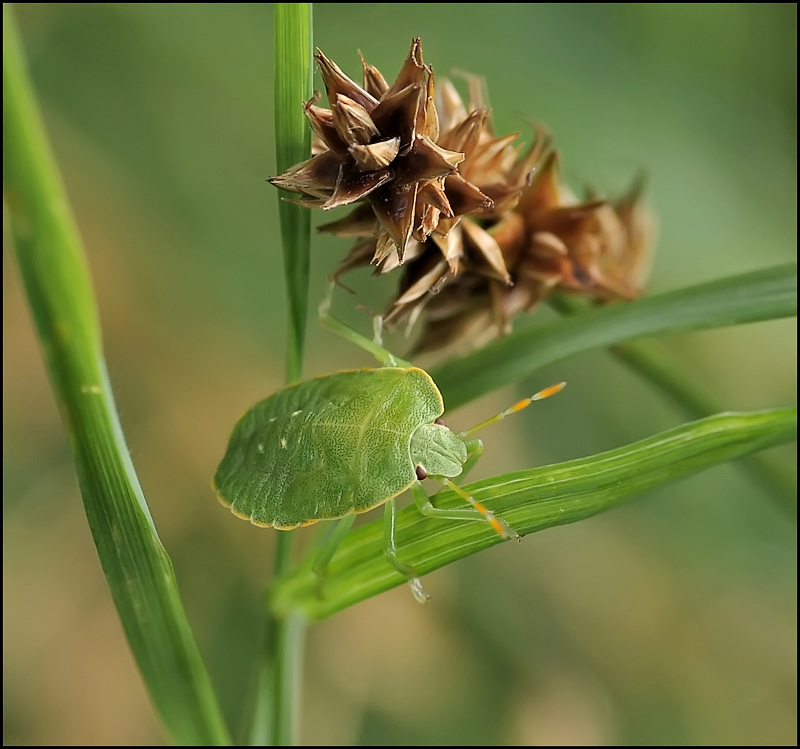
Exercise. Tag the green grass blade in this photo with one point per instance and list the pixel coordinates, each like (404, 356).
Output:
(57, 283)
(293, 86)
(684, 393)
(776, 480)
(531, 501)
(752, 297)
(274, 721)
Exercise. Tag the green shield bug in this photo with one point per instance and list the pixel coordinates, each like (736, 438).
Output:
(347, 442)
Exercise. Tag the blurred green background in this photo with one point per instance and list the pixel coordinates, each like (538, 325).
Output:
(670, 621)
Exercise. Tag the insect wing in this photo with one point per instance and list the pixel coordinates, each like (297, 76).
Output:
(326, 447)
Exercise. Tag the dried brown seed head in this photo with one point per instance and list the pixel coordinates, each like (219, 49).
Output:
(378, 144)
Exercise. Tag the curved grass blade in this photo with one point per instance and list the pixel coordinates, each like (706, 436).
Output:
(660, 371)
(56, 279)
(774, 478)
(751, 297)
(531, 501)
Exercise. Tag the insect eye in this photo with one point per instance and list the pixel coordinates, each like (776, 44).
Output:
(440, 422)
(421, 473)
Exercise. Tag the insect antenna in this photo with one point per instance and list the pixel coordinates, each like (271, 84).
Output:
(519, 406)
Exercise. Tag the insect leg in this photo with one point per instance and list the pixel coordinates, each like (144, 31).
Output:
(476, 512)
(328, 548)
(474, 453)
(374, 347)
(389, 526)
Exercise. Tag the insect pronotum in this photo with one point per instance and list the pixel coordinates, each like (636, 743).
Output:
(347, 442)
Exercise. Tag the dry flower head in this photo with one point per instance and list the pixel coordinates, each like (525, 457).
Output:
(480, 228)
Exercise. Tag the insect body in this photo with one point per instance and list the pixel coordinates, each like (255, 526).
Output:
(337, 444)
(346, 442)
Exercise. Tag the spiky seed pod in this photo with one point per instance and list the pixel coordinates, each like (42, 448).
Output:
(493, 167)
(481, 230)
(599, 249)
(377, 144)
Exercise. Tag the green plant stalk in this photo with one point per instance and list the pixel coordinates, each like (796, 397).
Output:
(277, 693)
(530, 501)
(660, 371)
(751, 297)
(293, 86)
(136, 565)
